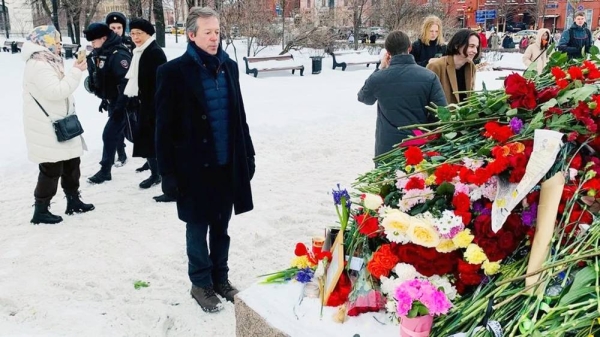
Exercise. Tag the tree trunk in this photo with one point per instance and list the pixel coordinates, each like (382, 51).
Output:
(5, 19)
(69, 24)
(135, 8)
(55, 14)
(283, 3)
(90, 11)
(159, 21)
(77, 31)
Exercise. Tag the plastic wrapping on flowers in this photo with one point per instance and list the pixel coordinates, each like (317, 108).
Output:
(462, 210)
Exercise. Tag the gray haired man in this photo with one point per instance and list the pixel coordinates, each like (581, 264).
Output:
(204, 152)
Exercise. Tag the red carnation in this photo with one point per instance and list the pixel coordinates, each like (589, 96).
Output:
(461, 202)
(575, 73)
(382, 261)
(415, 183)
(521, 91)
(445, 172)
(558, 73)
(548, 94)
(413, 155)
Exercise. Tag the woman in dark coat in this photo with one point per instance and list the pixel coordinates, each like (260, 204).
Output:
(430, 44)
(147, 57)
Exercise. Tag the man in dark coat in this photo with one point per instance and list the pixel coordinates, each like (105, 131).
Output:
(141, 87)
(577, 38)
(203, 146)
(108, 64)
(402, 90)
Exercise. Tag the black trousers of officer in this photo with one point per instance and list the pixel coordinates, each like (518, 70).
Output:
(113, 137)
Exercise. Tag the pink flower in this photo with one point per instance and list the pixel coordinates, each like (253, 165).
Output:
(423, 291)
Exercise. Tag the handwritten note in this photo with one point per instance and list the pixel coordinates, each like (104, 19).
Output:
(546, 145)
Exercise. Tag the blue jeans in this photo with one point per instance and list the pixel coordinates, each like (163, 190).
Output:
(208, 260)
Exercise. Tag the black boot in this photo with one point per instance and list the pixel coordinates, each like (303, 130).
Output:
(121, 157)
(164, 198)
(144, 167)
(100, 177)
(42, 214)
(154, 176)
(75, 205)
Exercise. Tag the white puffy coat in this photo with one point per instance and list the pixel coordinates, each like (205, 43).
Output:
(534, 52)
(54, 94)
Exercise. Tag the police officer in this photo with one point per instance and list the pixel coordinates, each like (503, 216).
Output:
(107, 65)
(117, 22)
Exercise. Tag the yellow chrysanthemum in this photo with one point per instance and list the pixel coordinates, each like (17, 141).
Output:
(463, 239)
(446, 246)
(430, 180)
(491, 268)
(301, 262)
(474, 254)
(422, 233)
(408, 168)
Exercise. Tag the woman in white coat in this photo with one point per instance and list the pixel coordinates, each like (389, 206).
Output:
(46, 81)
(537, 50)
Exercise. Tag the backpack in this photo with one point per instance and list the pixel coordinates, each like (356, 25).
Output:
(524, 42)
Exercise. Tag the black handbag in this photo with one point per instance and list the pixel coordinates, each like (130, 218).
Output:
(132, 119)
(66, 128)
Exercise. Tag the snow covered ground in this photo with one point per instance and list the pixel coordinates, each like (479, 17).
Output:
(76, 278)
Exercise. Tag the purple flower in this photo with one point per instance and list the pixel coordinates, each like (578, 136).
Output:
(529, 215)
(304, 275)
(339, 194)
(516, 125)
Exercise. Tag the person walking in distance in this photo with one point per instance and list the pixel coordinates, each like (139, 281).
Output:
(107, 66)
(203, 146)
(47, 96)
(141, 87)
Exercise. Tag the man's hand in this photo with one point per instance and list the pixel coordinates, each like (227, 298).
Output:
(385, 60)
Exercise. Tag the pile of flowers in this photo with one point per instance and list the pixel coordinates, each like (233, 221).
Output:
(459, 220)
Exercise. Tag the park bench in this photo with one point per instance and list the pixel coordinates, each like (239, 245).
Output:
(345, 58)
(8, 44)
(70, 50)
(272, 63)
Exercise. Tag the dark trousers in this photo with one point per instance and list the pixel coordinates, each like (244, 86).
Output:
(47, 184)
(207, 263)
(113, 137)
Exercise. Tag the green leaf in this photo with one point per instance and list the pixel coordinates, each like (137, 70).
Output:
(584, 277)
(450, 135)
(444, 113)
(577, 295)
(511, 112)
(413, 312)
(445, 189)
(578, 94)
(420, 208)
(549, 104)
(594, 50)
(140, 284)
(525, 326)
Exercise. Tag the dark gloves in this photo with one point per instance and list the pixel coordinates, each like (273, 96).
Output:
(103, 106)
(169, 185)
(251, 167)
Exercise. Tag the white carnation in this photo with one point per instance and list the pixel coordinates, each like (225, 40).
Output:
(372, 201)
(444, 283)
(405, 272)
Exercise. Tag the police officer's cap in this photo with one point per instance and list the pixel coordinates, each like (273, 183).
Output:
(116, 17)
(96, 31)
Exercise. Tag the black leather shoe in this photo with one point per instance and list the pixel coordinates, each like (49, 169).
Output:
(100, 177)
(42, 214)
(164, 198)
(75, 205)
(153, 180)
(206, 298)
(144, 167)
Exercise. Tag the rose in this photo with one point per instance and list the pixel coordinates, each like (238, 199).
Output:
(548, 94)
(377, 269)
(367, 225)
(372, 201)
(521, 91)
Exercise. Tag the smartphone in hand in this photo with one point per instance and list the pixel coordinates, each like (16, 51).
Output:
(80, 56)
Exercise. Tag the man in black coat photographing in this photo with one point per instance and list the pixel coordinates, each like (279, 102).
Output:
(203, 147)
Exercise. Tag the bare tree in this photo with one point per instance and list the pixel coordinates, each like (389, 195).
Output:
(135, 8)
(255, 23)
(159, 21)
(89, 10)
